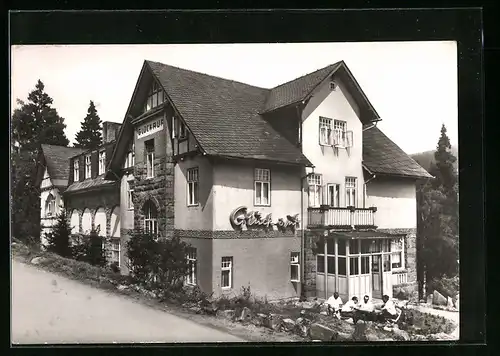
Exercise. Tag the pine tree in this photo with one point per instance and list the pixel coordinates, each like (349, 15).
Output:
(89, 135)
(438, 216)
(59, 238)
(34, 123)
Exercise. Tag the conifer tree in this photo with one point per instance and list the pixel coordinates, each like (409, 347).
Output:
(33, 123)
(89, 135)
(59, 238)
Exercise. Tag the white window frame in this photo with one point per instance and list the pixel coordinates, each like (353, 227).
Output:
(50, 203)
(295, 264)
(88, 166)
(155, 98)
(262, 178)
(114, 250)
(193, 186)
(325, 131)
(150, 221)
(102, 162)
(150, 163)
(350, 191)
(336, 194)
(314, 182)
(130, 200)
(321, 254)
(191, 257)
(395, 250)
(227, 266)
(76, 170)
(130, 160)
(339, 133)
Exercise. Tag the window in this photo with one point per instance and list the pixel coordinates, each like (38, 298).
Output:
(353, 266)
(76, 170)
(330, 256)
(295, 267)
(397, 253)
(155, 98)
(130, 196)
(150, 158)
(342, 266)
(226, 272)
(262, 186)
(350, 190)
(341, 247)
(314, 182)
(115, 251)
(102, 162)
(150, 218)
(387, 263)
(365, 264)
(191, 260)
(50, 206)
(179, 130)
(182, 130)
(353, 247)
(325, 131)
(88, 166)
(339, 133)
(193, 186)
(333, 195)
(130, 160)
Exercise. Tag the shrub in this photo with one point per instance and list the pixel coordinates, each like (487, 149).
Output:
(159, 266)
(449, 287)
(418, 322)
(90, 249)
(58, 239)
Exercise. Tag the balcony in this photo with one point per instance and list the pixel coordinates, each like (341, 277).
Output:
(341, 218)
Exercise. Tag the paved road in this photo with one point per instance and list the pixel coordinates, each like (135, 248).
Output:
(53, 309)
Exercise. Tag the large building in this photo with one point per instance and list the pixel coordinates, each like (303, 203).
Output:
(278, 189)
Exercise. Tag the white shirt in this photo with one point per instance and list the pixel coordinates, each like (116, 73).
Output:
(349, 306)
(335, 303)
(366, 306)
(390, 307)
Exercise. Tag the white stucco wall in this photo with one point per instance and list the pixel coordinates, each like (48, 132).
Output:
(100, 221)
(335, 164)
(47, 222)
(395, 200)
(86, 221)
(115, 222)
(75, 222)
(234, 187)
(127, 215)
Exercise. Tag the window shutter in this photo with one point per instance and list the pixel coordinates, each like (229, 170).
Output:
(349, 139)
(336, 137)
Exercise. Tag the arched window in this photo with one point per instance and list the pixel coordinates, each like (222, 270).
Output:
(100, 222)
(50, 206)
(75, 222)
(150, 217)
(86, 221)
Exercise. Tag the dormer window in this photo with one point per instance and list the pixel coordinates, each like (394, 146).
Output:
(88, 166)
(76, 171)
(102, 162)
(155, 98)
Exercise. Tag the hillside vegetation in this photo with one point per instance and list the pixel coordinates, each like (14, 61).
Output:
(425, 159)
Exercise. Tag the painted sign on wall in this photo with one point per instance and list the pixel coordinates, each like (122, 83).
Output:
(242, 219)
(150, 128)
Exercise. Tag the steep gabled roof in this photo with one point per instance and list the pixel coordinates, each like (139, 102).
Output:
(223, 115)
(57, 160)
(298, 89)
(383, 156)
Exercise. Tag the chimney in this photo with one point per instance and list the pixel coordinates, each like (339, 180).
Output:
(110, 131)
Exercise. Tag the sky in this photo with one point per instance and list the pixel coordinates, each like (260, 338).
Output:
(412, 85)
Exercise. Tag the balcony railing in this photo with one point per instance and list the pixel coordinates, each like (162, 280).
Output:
(350, 217)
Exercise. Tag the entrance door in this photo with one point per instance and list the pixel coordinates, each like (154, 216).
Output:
(376, 276)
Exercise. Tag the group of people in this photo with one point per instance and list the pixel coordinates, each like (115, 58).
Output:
(361, 311)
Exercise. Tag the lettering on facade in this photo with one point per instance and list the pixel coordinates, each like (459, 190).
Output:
(242, 219)
(150, 128)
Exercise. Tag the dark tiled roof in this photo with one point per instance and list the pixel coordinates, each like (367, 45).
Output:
(57, 159)
(90, 183)
(382, 156)
(224, 117)
(297, 89)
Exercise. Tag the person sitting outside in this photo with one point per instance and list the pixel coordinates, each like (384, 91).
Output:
(388, 309)
(334, 305)
(365, 309)
(348, 309)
